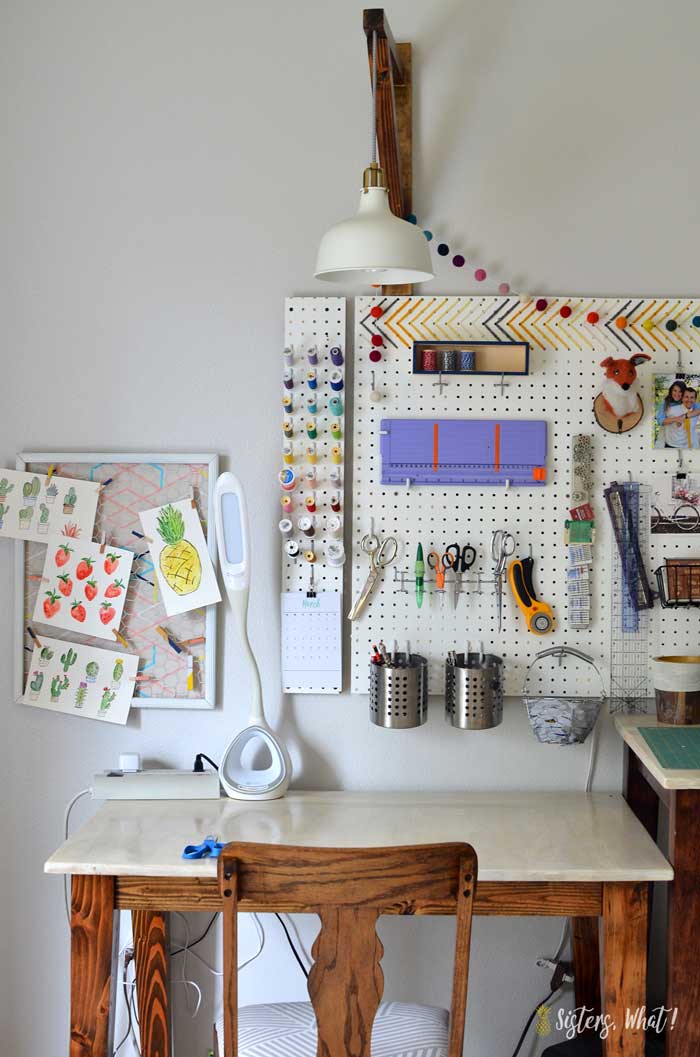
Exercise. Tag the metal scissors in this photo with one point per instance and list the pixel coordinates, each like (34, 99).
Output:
(440, 565)
(210, 848)
(380, 553)
(461, 559)
(502, 546)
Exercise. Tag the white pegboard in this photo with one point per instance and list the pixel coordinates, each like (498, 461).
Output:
(564, 379)
(314, 322)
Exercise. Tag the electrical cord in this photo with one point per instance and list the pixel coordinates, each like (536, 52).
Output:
(530, 1019)
(181, 950)
(128, 999)
(592, 757)
(199, 766)
(292, 947)
(66, 821)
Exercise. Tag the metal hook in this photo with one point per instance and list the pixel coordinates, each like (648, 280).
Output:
(680, 459)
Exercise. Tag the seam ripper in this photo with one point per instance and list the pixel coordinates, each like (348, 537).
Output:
(419, 573)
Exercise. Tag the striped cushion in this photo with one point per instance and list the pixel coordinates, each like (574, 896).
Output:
(288, 1029)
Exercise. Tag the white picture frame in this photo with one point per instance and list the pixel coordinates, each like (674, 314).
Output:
(207, 700)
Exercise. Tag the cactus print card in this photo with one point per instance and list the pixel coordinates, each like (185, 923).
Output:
(33, 507)
(183, 567)
(83, 587)
(82, 681)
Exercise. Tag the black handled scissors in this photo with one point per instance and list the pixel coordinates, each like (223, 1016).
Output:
(460, 559)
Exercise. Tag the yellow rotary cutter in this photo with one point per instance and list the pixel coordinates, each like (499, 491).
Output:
(538, 615)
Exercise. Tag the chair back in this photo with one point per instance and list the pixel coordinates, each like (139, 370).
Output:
(349, 888)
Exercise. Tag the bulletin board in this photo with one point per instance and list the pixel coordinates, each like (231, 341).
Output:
(136, 482)
(564, 378)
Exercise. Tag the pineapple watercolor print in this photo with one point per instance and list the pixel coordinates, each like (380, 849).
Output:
(179, 561)
(180, 556)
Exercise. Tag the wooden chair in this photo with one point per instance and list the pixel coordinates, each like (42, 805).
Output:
(349, 889)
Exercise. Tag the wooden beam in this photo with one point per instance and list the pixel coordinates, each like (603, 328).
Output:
(94, 944)
(151, 953)
(394, 118)
(555, 898)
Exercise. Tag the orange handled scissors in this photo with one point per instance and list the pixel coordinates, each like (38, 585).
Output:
(440, 565)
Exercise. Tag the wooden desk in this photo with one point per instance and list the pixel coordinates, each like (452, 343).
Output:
(648, 784)
(569, 854)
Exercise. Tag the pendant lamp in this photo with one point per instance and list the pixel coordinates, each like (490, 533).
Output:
(374, 247)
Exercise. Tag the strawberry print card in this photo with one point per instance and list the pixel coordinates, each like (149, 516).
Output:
(80, 680)
(181, 559)
(33, 506)
(83, 586)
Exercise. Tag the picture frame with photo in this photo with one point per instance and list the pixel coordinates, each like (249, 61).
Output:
(676, 418)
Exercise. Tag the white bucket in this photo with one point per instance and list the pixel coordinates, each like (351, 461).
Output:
(677, 689)
(677, 674)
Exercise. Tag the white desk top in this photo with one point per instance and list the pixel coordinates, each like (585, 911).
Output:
(667, 779)
(517, 836)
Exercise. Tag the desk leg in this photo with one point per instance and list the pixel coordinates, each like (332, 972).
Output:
(683, 980)
(625, 913)
(585, 946)
(639, 794)
(94, 945)
(150, 931)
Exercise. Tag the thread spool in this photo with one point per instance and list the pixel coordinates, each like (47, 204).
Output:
(288, 356)
(335, 554)
(671, 325)
(288, 427)
(449, 360)
(336, 475)
(336, 354)
(696, 321)
(467, 360)
(592, 318)
(375, 356)
(334, 527)
(648, 324)
(306, 527)
(287, 479)
(429, 360)
(310, 556)
(310, 477)
(565, 311)
(312, 356)
(288, 403)
(311, 429)
(336, 380)
(312, 404)
(311, 455)
(336, 430)
(287, 453)
(285, 526)
(288, 378)
(374, 393)
(335, 503)
(287, 504)
(310, 503)
(621, 322)
(292, 549)
(335, 405)
(336, 454)
(312, 379)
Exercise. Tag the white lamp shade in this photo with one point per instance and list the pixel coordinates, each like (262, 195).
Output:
(374, 247)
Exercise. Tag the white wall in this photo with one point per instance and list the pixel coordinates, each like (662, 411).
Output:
(167, 170)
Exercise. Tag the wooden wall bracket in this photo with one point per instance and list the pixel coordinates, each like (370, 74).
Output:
(394, 117)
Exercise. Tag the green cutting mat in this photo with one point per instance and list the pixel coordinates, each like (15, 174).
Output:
(676, 748)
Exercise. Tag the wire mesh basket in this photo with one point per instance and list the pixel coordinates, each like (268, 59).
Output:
(557, 719)
(679, 582)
